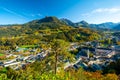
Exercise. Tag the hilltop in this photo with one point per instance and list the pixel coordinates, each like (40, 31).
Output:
(45, 29)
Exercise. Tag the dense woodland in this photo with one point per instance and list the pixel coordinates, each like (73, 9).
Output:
(39, 31)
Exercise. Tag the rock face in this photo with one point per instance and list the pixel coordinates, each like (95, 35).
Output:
(68, 22)
(82, 24)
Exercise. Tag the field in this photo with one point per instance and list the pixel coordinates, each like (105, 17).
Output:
(28, 46)
(1, 54)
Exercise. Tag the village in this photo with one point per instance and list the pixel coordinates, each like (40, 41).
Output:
(95, 58)
(90, 55)
(19, 61)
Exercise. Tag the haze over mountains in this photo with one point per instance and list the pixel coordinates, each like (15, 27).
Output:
(107, 25)
(55, 21)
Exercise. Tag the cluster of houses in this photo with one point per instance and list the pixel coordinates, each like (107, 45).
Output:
(94, 58)
(20, 61)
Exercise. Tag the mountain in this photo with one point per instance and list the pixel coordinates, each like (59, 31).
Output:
(68, 22)
(82, 24)
(109, 25)
(53, 22)
(47, 29)
(50, 22)
(117, 27)
(46, 19)
(78, 24)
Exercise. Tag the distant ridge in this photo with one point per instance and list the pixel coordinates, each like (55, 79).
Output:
(68, 22)
(106, 25)
(82, 23)
(53, 22)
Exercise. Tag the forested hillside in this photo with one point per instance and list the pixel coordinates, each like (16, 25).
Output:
(45, 29)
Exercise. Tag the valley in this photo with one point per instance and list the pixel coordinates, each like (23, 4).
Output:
(54, 45)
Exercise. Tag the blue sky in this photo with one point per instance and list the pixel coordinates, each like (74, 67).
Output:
(92, 11)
